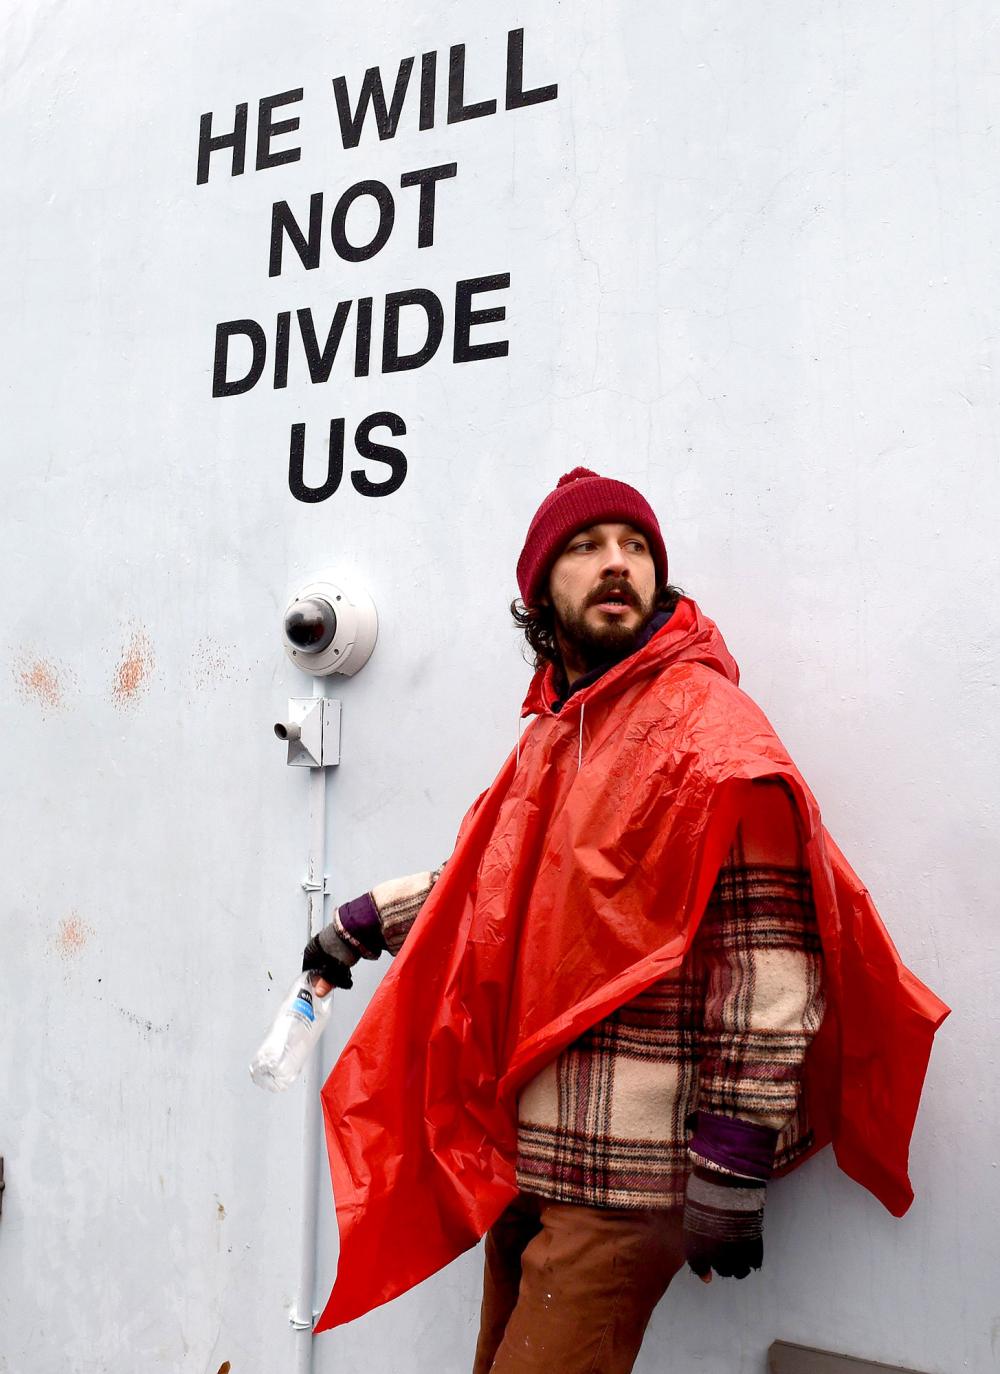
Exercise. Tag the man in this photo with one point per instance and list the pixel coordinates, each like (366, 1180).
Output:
(594, 1042)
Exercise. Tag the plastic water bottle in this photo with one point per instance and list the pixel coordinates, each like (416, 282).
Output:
(294, 1033)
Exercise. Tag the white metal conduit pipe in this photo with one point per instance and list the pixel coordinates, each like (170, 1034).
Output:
(330, 626)
(303, 1313)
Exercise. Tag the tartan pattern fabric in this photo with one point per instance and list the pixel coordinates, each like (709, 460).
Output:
(604, 1123)
(759, 955)
(607, 1123)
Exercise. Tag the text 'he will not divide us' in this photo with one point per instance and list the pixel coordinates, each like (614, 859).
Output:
(243, 346)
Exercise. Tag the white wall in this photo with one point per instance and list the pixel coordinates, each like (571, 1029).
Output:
(753, 267)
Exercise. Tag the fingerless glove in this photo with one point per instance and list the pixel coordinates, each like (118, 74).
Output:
(329, 956)
(353, 934)
(723, 1223)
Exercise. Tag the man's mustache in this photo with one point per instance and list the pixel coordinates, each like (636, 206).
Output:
(613, 584)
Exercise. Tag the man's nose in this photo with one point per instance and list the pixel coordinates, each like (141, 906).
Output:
(614, 562)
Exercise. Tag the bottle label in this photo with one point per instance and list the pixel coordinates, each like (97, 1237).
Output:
(303, 1004)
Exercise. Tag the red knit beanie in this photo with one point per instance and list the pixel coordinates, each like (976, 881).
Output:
(582, 498)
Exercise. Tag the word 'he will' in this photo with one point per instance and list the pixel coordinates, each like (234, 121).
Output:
(371, 96)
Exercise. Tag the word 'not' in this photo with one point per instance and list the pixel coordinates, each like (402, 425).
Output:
(308, 245)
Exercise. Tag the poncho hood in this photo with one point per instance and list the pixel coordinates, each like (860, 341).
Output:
(578, 879)
(687, 637)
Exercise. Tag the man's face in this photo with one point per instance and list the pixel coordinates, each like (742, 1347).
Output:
(603, 587)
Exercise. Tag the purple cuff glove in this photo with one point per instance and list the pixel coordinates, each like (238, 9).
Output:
(354, 933)
(723, 1213)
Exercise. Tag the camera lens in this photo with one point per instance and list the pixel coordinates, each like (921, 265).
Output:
(310, 625)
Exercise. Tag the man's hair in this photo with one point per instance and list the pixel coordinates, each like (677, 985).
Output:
(539, 624)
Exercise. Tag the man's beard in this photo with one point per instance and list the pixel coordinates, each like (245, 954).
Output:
(594, 646)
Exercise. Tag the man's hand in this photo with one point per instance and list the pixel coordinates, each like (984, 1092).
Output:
(723, 1224)
(331, 958)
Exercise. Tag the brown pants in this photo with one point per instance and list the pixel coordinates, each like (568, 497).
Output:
(570, 1289)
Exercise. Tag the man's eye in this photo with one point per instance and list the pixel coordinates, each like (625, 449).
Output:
(637, 545)
(584, 546)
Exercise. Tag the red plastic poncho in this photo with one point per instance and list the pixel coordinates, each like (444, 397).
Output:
(572, 888)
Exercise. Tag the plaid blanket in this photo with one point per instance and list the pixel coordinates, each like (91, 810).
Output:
(608, 1123)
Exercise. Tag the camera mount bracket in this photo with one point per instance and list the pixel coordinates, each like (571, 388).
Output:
(312, 732)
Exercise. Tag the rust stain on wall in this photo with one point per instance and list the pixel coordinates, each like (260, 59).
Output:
(42, 682)
(71, 936)
(212, 662)
(134, 671)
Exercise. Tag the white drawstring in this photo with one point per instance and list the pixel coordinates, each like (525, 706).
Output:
(579, 755)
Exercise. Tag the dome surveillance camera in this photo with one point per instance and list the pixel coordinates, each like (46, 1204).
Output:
(330, 626)
(311, 625)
